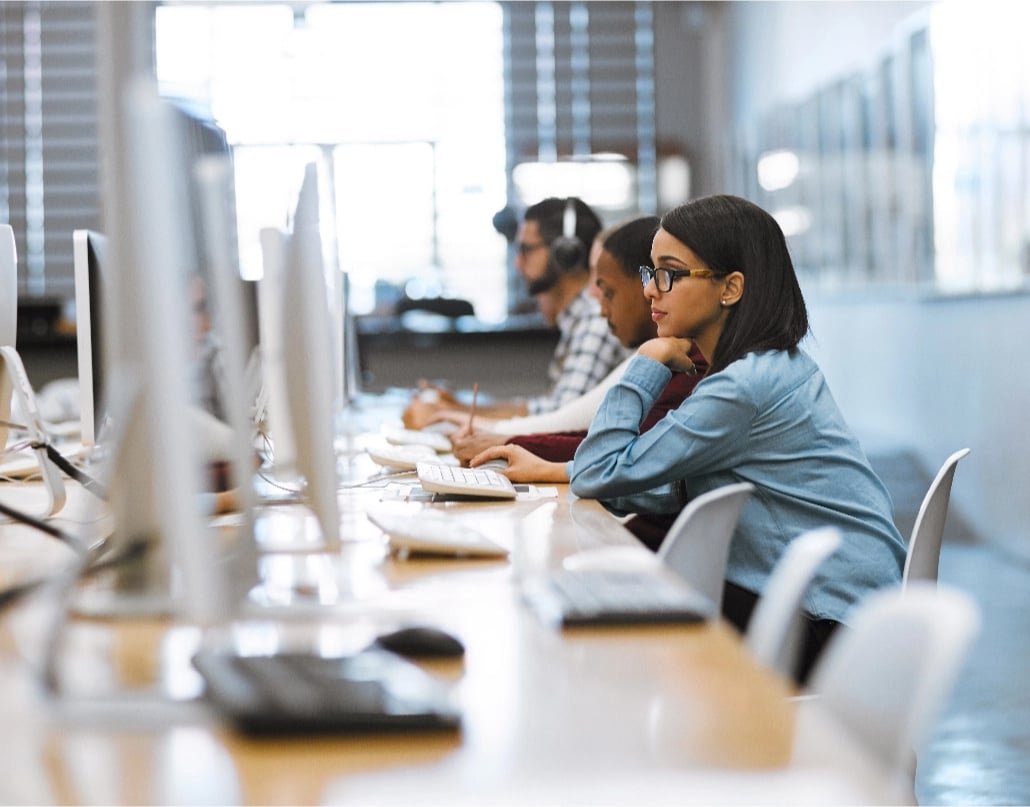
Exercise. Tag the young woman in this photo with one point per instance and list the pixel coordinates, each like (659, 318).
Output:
(722, 281)
(615, 267)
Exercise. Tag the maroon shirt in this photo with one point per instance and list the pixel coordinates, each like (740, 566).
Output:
(561, 446)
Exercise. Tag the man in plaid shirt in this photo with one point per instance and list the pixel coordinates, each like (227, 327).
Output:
(553, 244)
(552, 255)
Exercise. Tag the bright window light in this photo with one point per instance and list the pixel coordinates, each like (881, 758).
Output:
(403, 102)
(778, 169)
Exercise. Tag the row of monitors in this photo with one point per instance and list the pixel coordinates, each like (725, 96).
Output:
(137, 323)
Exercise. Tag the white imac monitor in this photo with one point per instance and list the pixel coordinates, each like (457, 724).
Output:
(89, 254)
(157, 479)
(276, 415)
(8, 318)
(8, 286)
(309, 362)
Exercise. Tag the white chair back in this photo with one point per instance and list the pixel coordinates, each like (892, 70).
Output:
(774, 631)
(697, 545)
(924, 545)
(888, 674)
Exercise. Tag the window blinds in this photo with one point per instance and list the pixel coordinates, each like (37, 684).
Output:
(49, 171)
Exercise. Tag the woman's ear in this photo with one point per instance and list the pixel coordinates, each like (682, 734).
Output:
(734, 288)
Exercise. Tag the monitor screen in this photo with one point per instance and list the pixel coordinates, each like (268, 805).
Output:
(159, 438)
(8, 286)
(89, 256)
(309, 363)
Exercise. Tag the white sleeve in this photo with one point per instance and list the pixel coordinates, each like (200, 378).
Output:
(572, 417)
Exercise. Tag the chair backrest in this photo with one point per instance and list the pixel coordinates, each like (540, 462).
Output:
(924, 545)
(697, 544)
(773, 633)
(888, 674)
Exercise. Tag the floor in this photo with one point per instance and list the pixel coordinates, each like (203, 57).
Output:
(980, 751)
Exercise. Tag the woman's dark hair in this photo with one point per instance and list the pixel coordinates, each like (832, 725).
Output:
(630, 243)
(731, 234)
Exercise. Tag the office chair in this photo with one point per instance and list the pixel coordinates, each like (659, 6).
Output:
(697, 544)
(924, 545)
(774, 631)
(887, 677)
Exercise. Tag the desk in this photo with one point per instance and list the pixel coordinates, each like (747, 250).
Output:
(654, 715)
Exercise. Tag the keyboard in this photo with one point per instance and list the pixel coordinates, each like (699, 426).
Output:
(434, 534)
(607, 597)
(305, 693)
(437, 478)
(418, 437)
(400, 457)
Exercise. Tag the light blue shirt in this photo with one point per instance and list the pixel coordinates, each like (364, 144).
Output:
(768, 419)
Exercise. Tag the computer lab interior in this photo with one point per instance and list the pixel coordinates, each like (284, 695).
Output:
(889, 139)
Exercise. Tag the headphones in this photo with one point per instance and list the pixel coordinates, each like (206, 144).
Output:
(567, 252)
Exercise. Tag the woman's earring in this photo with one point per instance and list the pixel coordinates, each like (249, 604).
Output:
(724, 302)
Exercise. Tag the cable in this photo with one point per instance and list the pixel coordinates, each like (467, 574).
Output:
(90, 484)
(42, 526)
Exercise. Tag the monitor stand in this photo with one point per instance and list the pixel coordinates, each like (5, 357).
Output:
(14, 381)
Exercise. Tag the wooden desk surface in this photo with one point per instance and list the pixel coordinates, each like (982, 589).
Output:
(663, 714)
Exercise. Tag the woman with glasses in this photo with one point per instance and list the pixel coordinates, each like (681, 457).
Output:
(722, 281)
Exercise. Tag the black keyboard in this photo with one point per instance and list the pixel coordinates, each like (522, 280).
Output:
(604, 597)
(294, 693)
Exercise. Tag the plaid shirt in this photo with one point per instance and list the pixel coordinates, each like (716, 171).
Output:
(586, 352)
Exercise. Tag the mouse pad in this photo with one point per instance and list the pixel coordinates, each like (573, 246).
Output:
(304, 693)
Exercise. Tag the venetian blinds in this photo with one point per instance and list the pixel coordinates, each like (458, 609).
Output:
(579, 81)
(49, 173)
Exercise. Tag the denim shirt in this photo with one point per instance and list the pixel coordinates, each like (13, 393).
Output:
(768, 419)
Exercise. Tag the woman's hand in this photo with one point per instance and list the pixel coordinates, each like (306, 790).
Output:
(523, 465)
(427, 405)
(671, 351)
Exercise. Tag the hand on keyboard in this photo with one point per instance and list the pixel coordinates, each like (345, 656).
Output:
(439, 478)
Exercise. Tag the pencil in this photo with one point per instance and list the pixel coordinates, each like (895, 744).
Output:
(472, 408)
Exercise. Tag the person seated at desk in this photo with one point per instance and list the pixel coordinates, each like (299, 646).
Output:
(552, 257)
(723, 280)
(615, 267)
(543, 456)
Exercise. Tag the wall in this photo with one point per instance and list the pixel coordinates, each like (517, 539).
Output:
(689, 112)
(926, 372)
(937, 375)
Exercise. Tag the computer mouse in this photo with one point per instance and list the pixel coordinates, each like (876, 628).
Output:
(421, 641)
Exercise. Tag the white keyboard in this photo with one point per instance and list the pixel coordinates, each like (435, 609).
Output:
(414, 437)
(437, 478)
(436, 534)
(401, 457)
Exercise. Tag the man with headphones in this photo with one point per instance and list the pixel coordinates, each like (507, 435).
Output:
(552, 255)
(552, 244)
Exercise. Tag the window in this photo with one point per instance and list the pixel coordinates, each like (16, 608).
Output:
(401, 103)
(48, 138)
(426, 118)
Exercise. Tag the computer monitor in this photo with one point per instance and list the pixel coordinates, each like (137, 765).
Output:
(272, 328)
(89, 257)
(8, 286)
(309, 361)
(8, 317)
(154, 468)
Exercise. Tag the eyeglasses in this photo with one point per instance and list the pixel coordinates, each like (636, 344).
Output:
(664, 278)
(524, 249)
